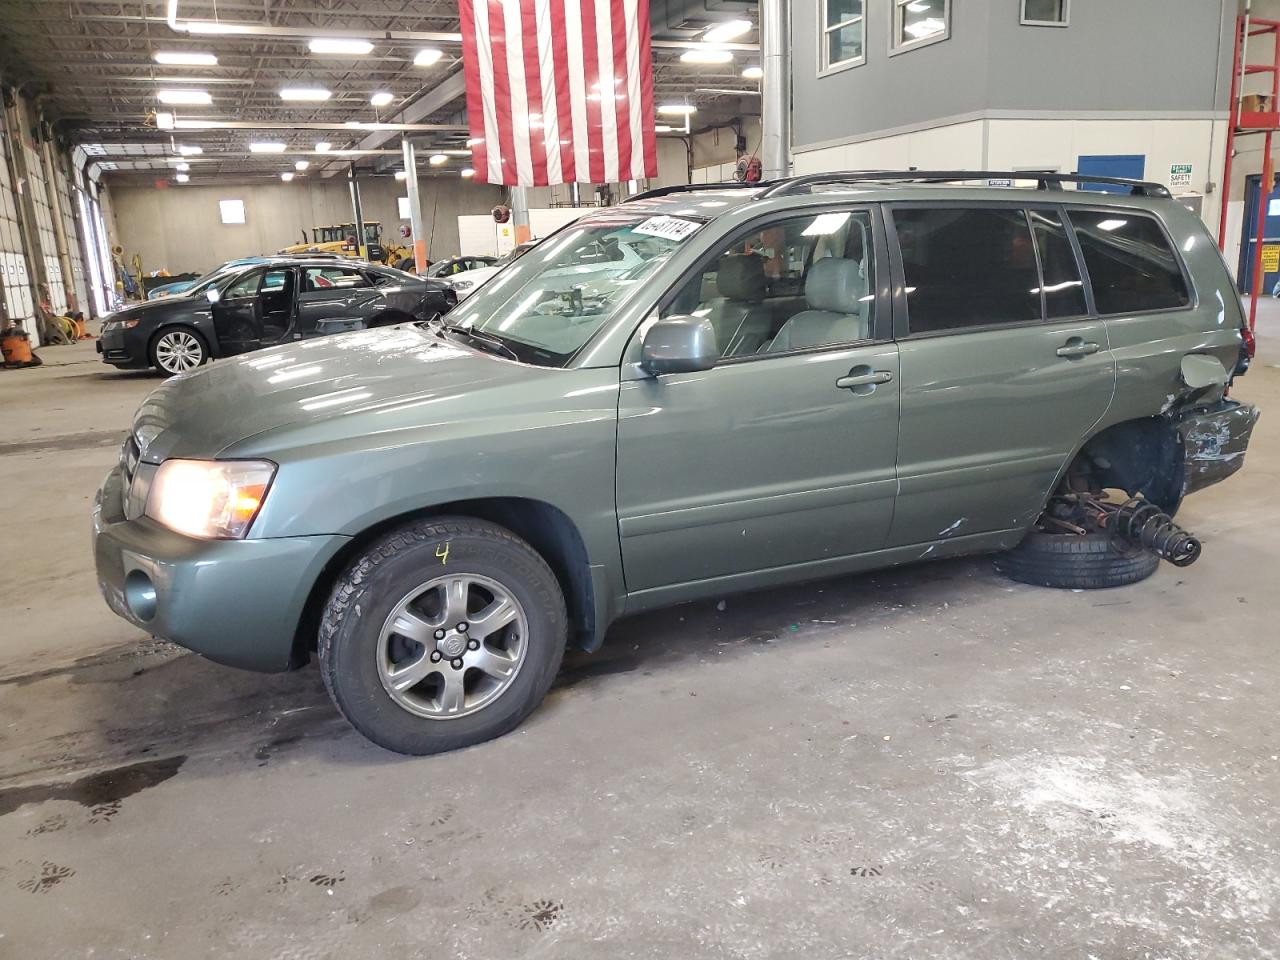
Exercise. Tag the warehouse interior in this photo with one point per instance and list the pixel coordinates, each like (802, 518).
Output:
(919, 757)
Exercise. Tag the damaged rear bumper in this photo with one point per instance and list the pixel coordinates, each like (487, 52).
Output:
(1214, 440)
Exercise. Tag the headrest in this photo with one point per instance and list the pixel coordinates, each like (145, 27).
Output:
(741, 277)
(835, 285)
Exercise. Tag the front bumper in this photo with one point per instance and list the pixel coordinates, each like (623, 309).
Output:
(1214, 441)
(238, 602)
(119, 350)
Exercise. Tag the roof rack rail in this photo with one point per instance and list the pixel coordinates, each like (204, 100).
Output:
(1044, 180)
(694, 187)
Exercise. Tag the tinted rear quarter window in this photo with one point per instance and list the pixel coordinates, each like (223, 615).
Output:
(1131, 265)
(967, 267)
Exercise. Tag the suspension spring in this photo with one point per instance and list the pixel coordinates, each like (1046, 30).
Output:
(1145, 525)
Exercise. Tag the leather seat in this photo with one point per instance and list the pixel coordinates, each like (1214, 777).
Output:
(834, 291)
(740, 320)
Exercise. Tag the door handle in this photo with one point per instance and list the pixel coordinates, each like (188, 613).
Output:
(863, 377)
(1075, 347)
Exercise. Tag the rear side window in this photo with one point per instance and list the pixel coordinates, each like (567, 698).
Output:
(1131, 265)
(1063, 288)
(967, 268)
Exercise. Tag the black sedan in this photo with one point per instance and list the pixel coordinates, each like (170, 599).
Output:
(277, 301)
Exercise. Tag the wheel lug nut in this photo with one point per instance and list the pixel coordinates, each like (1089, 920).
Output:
(435, 656)
(457, 664)
(439, 634)
(473, 644)
(462, 627)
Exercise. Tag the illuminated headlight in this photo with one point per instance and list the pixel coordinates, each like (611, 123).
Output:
(210, 499)
(463, 284)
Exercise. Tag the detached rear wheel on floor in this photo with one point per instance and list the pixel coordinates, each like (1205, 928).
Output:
(445, 633)
(1075, 561)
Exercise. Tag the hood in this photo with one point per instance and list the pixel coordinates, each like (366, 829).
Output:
(153, 309)
(200, 414)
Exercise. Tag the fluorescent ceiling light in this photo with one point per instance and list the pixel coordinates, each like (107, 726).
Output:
(466, 172)
(726, 31)
(475, 141)
(436, 159)
(177, 58)
(270, 146)
(313, 94)
(286, 177)
(381, 99)
(662, 128)
(190, 151)
(457, 153)
(709, 55)
(182, 167)
(355, 48)
(218, 28)
(427, 56)
(683, 109)
(185, 97)
(182, 178)
(302, 164)
(753, 73)
(164, 120)
(324, 146)
(401, 175)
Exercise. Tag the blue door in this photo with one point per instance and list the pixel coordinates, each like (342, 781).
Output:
(1249, 230)
(1132, 166)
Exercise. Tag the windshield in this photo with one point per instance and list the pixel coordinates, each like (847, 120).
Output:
(550, 301)
(208, 280)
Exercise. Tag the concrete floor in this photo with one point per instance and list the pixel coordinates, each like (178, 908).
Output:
(928, 762)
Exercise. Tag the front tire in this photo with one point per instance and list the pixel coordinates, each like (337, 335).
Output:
(443, 634)
(1075, 562)
(178, 350)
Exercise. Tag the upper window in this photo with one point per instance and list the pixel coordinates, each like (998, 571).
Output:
(843, 34)
(246, 286)
(1045, 13)
(1131, 265)
(793, 284)
(330, 278)
(919, 22)
(967, 268)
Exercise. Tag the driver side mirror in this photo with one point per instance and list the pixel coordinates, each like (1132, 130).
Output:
(212, 295)
(679, 344)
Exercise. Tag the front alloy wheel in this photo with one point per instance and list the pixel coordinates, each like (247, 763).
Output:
(443, 633)
(177, 351)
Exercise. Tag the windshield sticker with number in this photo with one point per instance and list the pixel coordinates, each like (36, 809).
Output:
(669, 228)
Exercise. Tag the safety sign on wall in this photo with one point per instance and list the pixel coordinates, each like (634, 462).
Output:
(1270, 258)
(1180, 176)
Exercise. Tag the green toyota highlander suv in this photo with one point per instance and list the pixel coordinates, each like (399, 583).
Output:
(802, 379)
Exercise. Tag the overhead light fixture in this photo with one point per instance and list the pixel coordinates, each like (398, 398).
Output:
(182, 167)
(753, 73)
(728, 30)
(436, 159)
(680, 109)
(662, 128)
(466, 172)
(218, 27)
(709, 55)
(302, 165)
(427, 56)
(182, 178)
(401, 175)
(286, 176)
(324, 146)
(190, 151)
(381, 99)
(354, 48)
(176, 58)
(184, 97)
(310, 94)
(918, 7)
(475, 141)
(164, 120)
(269, 146)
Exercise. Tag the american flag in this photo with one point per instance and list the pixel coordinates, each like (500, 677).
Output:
(559, 91)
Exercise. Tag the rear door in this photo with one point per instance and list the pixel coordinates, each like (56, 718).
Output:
(330, 293)
(1004, 365)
